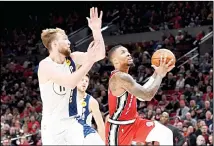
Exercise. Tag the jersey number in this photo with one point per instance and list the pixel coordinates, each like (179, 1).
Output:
(71, 95)
(60, 90)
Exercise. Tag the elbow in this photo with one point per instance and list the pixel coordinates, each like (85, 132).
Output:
(103, 56)
(149, 98)
(145, 98)
(71, 86)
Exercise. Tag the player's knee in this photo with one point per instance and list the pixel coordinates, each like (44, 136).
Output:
(166, 130)
(168, 133)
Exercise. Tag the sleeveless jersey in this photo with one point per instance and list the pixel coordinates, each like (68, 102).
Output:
(123, 107)
(57, 100)
(84, 116)
(83, 110)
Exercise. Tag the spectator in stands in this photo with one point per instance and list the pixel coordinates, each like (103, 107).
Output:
(180, 126)
(179, 37)
(204, 132)
(189, 119)
(210, 140)
(178, 139)
(180, 82)
(209, 118)
(169, 83)
(191, 137)
(208, 95)
(181, 112)
(205, 109)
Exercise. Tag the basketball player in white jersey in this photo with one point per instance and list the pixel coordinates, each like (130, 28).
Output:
(58, 79)
(88, 107)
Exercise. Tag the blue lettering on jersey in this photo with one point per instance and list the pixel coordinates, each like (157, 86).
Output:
(83, 118)
(85, 107)
(73, 95)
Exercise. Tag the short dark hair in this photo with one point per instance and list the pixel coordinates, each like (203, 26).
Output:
(112, 50)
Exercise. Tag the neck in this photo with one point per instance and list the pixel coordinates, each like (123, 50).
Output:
(125, 69)
(81, 94)
(57, 57)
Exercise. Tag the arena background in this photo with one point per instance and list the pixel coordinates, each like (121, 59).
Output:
(186, 28)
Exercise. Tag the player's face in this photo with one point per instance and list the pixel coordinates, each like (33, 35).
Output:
(63, 44)
(83, 84)
(164, 118)
(124, 57)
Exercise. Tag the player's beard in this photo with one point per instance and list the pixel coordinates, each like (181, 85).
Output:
(131, 64)
(65, 52)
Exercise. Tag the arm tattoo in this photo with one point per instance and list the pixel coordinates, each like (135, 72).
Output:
(152, 85)
(146, 92)
(113, 84)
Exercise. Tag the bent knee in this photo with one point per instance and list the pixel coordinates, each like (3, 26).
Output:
(167, 132)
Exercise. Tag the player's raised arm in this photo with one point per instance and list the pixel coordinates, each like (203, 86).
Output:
(98, 118)
(47, 71)
(95, 24)
(150, 88)
(128, 83)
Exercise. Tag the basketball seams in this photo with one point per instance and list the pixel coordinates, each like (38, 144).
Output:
(155, 59)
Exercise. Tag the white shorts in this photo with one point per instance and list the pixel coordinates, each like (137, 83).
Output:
(65, 132)
(93, 139)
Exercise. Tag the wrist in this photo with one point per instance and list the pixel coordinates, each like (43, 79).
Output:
(98, 30)
(160, 76)
(90, 63)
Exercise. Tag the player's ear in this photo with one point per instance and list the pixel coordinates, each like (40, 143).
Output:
(54, 43)
(115, 61)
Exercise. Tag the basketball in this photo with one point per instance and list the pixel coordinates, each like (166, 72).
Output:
(156, 57)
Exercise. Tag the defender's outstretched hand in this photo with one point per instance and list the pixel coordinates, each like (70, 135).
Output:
(91, 52)
(95, 22)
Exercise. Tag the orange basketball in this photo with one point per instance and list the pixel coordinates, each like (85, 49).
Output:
(156, 56)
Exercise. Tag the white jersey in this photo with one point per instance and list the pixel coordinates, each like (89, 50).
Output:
(58, 126)
(55, 98)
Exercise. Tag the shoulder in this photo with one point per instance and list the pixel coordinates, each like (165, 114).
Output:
(78, 56)
(45, 65)
(93, 103)
(45, 69)
(121, 76)
(42, 65)
(45, 62)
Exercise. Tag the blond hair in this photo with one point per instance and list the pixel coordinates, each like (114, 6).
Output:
(48, 35)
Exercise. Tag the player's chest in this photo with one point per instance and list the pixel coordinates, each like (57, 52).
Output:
(65, 69)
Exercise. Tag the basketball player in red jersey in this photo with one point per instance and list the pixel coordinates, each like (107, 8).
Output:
(124, 125)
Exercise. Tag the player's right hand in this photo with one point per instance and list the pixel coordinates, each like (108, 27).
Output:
(91, 52)
(164, 66)
(95, 21)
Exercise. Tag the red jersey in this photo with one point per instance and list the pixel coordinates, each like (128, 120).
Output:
(122, 108)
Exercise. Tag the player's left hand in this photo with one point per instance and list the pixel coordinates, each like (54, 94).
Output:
(95, 22)
(164, 67)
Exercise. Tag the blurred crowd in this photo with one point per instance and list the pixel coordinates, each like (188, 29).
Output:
(186, 92)
(164, 16)
(133, 18)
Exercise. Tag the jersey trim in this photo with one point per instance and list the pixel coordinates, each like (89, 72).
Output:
(113, 134)
(121, 122)
(121, 102)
